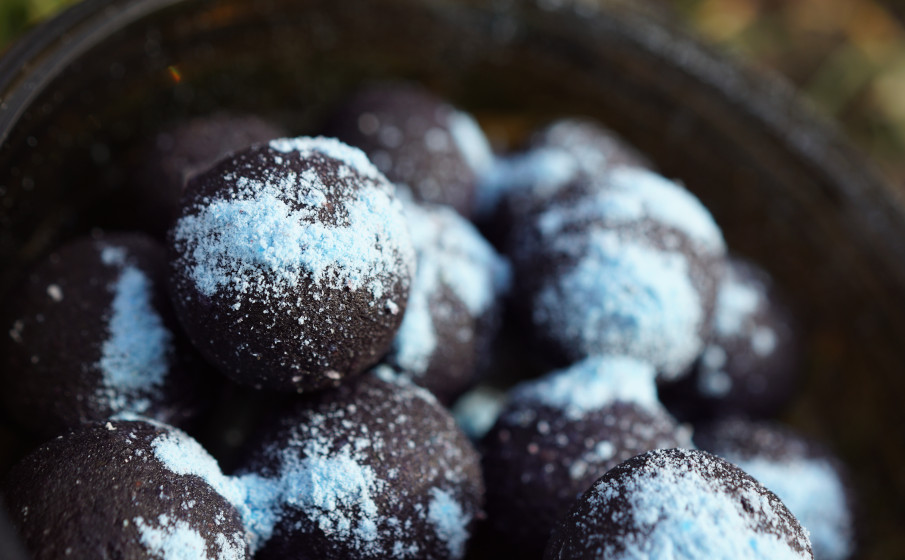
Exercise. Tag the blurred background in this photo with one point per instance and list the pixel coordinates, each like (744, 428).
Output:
(846, 56)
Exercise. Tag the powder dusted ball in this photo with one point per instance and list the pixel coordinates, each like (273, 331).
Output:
(177, 153)
(563, 160)
(374, 469)
(453, 309)
(806, 476)
(596, 148)
(557, 435)
(417, 140)
(110, 491)
(679, 504)
(290, 264)
(631, 269)
(750, 365)
(89, 334)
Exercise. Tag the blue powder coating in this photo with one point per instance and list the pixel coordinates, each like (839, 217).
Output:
(449, 521)
(349, 155)
(812, 491)
(670, 204)
(681, 515)
(416, 339)
(539, 172)
(134, 359)
(254, 241)
(470, 141)
(477, 410)
(592, 384)
(624, 298)
(331, 489)
(176, 540)
(336, 493)
(624, 196)
(451, 253)
(735, 305)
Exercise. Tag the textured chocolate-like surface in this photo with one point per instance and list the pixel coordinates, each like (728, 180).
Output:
(751, 363)
(177, 153)
(108, 491)
(373, 469)
(290, 264)
(627, 267)
(558, 435)
(454, 307)
(807, 477)
(417, 140)
(90, 334)
(680, 504)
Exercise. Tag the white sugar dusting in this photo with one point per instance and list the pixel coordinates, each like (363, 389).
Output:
(591, 385)
(111, 255)
(763, 341)
(182, 455)
(714, 382)
(134, 358)
(624, 298)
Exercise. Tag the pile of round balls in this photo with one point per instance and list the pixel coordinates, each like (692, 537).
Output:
(359, 291)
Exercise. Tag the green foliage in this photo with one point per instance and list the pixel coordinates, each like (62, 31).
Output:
(16, 15)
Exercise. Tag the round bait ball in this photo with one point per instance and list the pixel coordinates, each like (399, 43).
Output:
(557, 435)
(417, 140)
(290, 264)
(374, 469)
(454, 309)
(750, 365)
(680, 504)
(179, 152)
(810, 480)
(121, 490)
(90, 335)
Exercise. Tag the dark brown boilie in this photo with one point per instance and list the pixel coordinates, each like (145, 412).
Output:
(110, 491)
(417, 140)
(178, 153)
(557, 435)
(750, 365)
(454, 307)
(90, 334)
(391, 475)
(678, 503)
(290, 264)
(810, 480)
